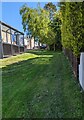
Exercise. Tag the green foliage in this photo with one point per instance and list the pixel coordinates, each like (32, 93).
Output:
(44, 24)
(37, 21)
(56, 26)
(51, 8)
(72, 29)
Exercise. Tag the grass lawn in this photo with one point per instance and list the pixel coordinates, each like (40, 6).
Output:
(39, 84)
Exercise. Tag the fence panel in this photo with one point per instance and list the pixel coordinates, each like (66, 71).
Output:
(81, 70)
(74, 61)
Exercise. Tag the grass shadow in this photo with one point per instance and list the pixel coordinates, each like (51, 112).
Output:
(38, 88)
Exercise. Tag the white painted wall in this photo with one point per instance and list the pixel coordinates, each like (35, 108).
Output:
(81, 70)
(25, 42)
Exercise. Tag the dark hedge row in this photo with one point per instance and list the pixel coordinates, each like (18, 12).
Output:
(72, 26)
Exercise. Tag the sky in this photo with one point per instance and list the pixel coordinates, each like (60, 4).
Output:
(10, 13)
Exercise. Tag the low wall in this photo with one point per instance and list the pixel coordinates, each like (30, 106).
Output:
(21, 49)
(15, 49)
(9, 49)
(1, 51)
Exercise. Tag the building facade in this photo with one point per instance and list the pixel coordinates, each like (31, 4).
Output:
(11, 40)
(29, 42)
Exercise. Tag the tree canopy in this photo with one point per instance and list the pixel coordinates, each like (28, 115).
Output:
(50, 25)
(51, 8)
(38, 21)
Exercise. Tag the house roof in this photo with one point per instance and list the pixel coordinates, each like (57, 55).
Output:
(11, 27)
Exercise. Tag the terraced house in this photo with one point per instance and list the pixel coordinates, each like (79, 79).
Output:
(11, 40)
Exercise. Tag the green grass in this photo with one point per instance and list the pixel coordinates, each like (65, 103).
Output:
(40, 84)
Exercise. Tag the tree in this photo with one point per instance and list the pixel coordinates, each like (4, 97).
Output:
(55, 23)
(72, 29)
(51, 8)
(37, 21)
(56, 26)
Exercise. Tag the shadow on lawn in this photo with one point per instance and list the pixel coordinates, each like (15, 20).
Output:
(43, 92)
(40, 52)
(28, 72)
(36, 62)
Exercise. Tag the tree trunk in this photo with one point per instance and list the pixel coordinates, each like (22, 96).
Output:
(48, 47)
(38, 45)
(54, 46)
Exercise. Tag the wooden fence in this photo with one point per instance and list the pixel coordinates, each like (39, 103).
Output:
(75, 61)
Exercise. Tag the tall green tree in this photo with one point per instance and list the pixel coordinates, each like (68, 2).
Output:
(72, 29)
(37, 21)
(51, 8)
(55, 23)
